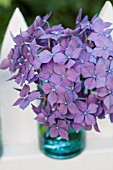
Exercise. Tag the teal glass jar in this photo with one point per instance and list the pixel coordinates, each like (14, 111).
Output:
(1, 147)
(59, 148)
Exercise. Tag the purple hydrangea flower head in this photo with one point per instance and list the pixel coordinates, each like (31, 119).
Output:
(72, 70)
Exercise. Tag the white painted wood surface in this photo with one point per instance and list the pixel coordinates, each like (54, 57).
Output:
(21, 150)
(98, 155)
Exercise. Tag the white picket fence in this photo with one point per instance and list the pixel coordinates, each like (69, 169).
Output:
(19, 129)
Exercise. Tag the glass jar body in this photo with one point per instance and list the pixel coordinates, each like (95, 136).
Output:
(59, 148)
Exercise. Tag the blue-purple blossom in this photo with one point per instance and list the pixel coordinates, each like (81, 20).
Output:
(26, 97)
(101, 109)
(83, 58)
(61, 129)
(55, 33)
(61, 74)
(86, 113)
(109, 68)
(77, 126)
(43, 116)
(66, 104)
(47, 71)
(72, 70)
(95, 75)
(100, 28)
(107, 94)
(104, 47)
(72, 89)
(53, 91)
(72, 52)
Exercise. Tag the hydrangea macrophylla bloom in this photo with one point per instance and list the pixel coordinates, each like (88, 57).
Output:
(107, 94)
(80, 21)
(66, 104)
(46, 56)
(104, 47)
(47, 71)
(95, 75)
(72, 52)
(58, 56)
(73, 89)
(86, 113)
(43, 116)
(55, 33)
(85, 25)
(64, 44)
(89, 127)
(73, 71)
(63, 74)
(60, 128)
(55, 115)
(100, 113)
(77, 126)
(21, 39)
(99, 28)
(109, 68)
(26, 97)
(83, 58)
(40, 22)
(53, 91)
(79, 16)
(5, 64)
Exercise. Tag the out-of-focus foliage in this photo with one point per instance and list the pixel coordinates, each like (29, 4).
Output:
(5, 2)
(63, 11)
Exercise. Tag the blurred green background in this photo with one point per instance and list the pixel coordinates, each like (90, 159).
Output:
(63, 11)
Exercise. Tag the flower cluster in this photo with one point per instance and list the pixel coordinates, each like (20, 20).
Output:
(73, 70)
